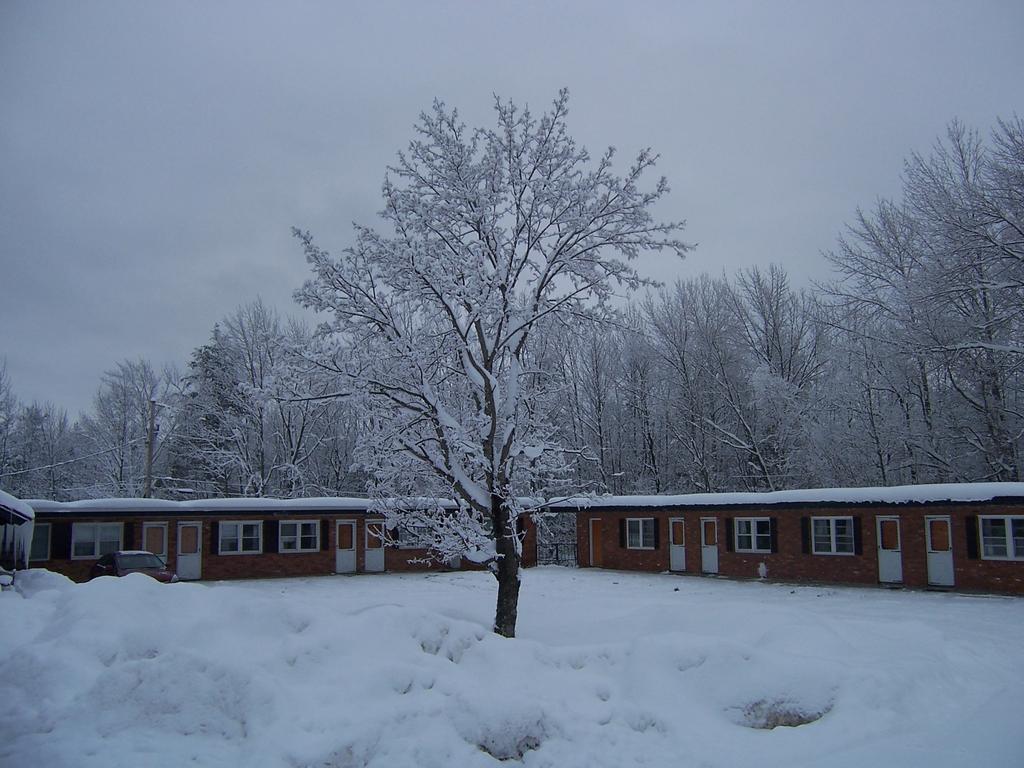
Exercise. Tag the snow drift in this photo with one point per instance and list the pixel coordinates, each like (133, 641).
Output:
(611, 670)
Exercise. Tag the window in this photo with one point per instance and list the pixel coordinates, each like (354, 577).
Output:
(91, 540)
(299, 536)
(640, 533)
(1002, 538)
(154, 538)
(40, 542)
(346, 534)
(418, 536)
(832, 535)
(753, 534)
(241, 538)
(889, 533)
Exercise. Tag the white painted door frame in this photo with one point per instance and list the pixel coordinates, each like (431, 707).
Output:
(708, 552)
(890, 561)
(676, 549)
(940, 561)
(373, 557)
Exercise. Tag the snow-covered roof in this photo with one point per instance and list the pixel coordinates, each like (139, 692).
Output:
(15, 508)
(897, 494)
(199, 506)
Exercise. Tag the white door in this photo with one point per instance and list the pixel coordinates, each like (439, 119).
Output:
(890, 553)
(940, 550)
(676, 545)
(374, 546)
(189, 564)
(345, 550)
(709, 544)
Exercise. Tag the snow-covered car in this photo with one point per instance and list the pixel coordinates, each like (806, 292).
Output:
(136, 561)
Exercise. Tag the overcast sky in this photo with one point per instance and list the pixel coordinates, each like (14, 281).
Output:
(153, 156)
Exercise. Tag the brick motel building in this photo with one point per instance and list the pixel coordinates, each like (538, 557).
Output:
(967, 536)
(232, 538)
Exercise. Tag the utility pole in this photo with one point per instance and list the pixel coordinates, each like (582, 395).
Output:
(147, 489)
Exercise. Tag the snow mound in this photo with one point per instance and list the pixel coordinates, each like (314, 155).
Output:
(772, 713)
(34, 580)
(611, 670)
(506, 733)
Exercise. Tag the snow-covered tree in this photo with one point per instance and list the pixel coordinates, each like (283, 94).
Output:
(937, 280)
(252, 414)
(43, 466)
(8, 416)
(114, 433)
(488, 235)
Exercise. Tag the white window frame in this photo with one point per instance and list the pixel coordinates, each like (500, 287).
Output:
(640, 522)
(239, 551)
(49, 542)
(415, 536)
(1012, 553)
(382, 538)
(753, 535)
(297, 536)
(76, 528)
(155, 525)
(832, 536)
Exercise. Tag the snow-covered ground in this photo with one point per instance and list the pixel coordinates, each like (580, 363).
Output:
(610, 669)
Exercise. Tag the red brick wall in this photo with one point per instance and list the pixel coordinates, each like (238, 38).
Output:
(609, 551)
(214, 566)
(398, 559)
(263, 565)
(266, 564)
(404, 560)
(789, 563)
(79, 570)
(985, 575)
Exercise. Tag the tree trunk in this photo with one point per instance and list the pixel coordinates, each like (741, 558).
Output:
(506, 570)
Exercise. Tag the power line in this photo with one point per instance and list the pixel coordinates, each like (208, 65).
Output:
(71, 461)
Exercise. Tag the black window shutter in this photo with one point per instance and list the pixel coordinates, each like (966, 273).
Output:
(60, 533)
(773, 530)
(128, 536)
(657, 533)
(270, 535)
(325, 533)
(622, 533)
(805, 535)
(971, 522)
(215, 537)
(730, 543)
(858, 540)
